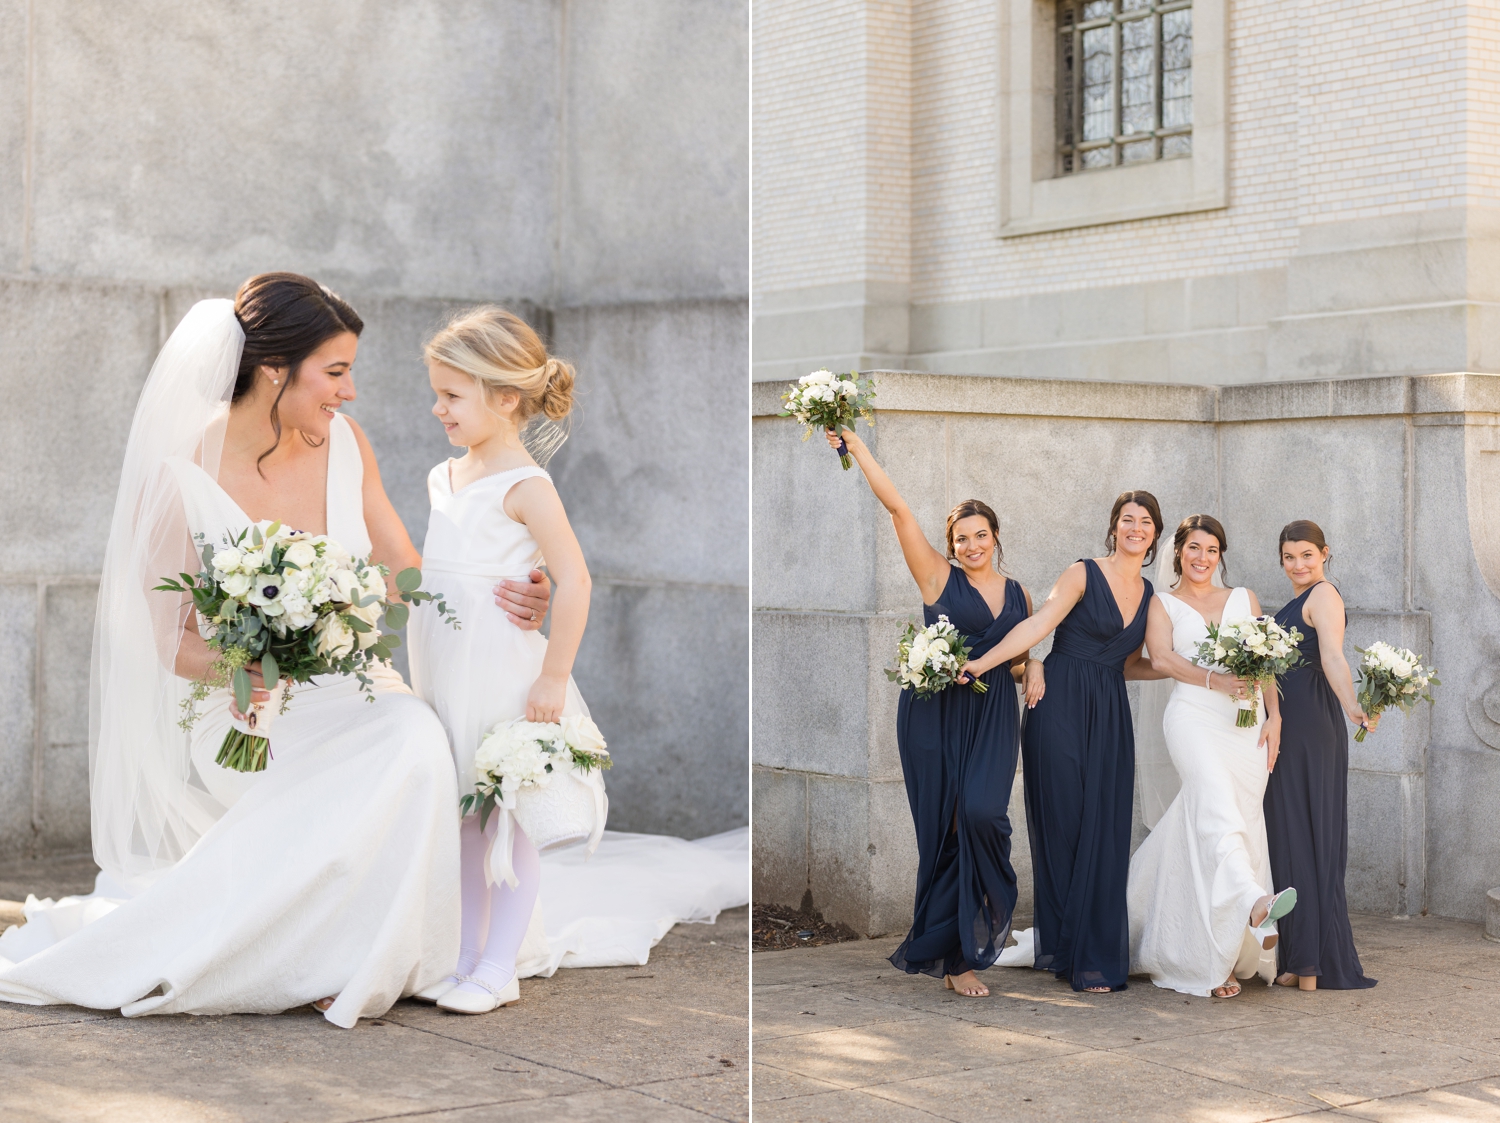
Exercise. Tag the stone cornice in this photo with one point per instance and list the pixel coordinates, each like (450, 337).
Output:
(1392, 396)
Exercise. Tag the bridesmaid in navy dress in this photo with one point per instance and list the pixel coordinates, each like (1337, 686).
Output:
(1078, 750)
(958, 748)
(1307, 799)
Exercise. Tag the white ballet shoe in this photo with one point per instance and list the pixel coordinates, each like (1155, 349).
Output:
(437, 989)
(461, 1002)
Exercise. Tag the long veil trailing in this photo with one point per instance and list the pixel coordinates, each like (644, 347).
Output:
(1155, 774)
(147, 808)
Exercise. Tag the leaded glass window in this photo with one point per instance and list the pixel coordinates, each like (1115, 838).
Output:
(1124, 82)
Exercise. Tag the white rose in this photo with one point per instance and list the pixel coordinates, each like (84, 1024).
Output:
(581, 733)
(227, 561)
(1218, 651)
(335, 638)
(300, 554)
(938, 645)
(251, 560)
(1402, 668)
(820, 377)
(346, 584)
(236, 584)
(368, 639)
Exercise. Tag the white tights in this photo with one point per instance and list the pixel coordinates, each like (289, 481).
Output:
(494, 917)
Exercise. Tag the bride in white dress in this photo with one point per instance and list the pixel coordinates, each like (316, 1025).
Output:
(1200, 899)
(329, 878)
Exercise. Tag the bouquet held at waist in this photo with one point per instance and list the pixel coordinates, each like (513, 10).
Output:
(299, 604)
(823, 400)
(1391, 676)
(1258, 650)
(929, 660)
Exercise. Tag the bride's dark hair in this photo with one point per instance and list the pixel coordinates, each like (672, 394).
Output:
(286, 317)
(1209, 525)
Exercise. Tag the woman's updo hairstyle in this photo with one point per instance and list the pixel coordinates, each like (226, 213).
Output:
(1140, 499)
(285, 317)
(1209, 525)
(500, 351)
(1303, 530)
(967, 509)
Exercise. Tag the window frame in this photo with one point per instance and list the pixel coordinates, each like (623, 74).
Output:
(1037, 197)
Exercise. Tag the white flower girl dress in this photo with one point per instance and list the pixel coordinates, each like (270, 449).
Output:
(606, 910)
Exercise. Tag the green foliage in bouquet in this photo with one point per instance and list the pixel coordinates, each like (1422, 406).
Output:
(298, 604)
(1257, 649)
(928, 660)
(822, 400)
(1391, 676)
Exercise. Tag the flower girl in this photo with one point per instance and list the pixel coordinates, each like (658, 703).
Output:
(495, 514)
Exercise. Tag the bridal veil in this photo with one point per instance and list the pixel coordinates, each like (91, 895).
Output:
(147, 808)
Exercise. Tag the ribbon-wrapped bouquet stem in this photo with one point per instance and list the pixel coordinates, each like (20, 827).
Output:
(298, 604)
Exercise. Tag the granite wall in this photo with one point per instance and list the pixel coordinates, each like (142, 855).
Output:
(1403, 474)
(583, 162)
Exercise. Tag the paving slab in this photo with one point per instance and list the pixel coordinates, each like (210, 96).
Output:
(666, 1041)
(840, 1035)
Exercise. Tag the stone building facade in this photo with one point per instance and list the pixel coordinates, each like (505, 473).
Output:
(1297, 319)
(582, 162)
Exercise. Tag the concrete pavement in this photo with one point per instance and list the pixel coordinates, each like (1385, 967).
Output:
(840, 1035)
(666, 1042)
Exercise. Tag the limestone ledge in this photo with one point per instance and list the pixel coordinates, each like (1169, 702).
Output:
(1435, 396)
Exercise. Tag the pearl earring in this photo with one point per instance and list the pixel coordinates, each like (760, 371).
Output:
(275, 382)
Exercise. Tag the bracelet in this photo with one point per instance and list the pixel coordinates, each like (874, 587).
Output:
(1208, 677)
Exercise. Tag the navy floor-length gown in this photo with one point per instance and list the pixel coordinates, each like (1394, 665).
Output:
(1307, 820)
(1078, 750)
(958, 756)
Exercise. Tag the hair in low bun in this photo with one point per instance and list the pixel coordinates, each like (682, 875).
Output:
(500, 351)
(557, 394)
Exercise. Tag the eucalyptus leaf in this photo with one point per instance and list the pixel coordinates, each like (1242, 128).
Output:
(242, 689)
(357, 624)
(409, 580)
(270, 670)
(396, 616)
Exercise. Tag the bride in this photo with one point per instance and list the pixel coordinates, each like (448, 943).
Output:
(1202, 914)
(330, 877)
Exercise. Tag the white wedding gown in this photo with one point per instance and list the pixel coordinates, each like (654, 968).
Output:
(333, 872)
(604, 909)
(1205, 863)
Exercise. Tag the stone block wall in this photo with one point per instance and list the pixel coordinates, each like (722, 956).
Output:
(1403, 474)
(583, 163)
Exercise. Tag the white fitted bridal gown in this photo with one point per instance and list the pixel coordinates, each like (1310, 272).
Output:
(333, 872)
(604, 910)
(1204, 865)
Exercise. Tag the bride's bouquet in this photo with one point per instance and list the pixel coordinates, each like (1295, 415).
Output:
(526, 766)
(302, 606)
(1391, 676)
(929, 660)
(823, 400)
(1257, 649)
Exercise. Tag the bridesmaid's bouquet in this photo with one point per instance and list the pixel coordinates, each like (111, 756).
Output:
(823, 400)
(302, 606)
(929, 660)
(1391, 676)
(1257, 649)
(517, 764)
